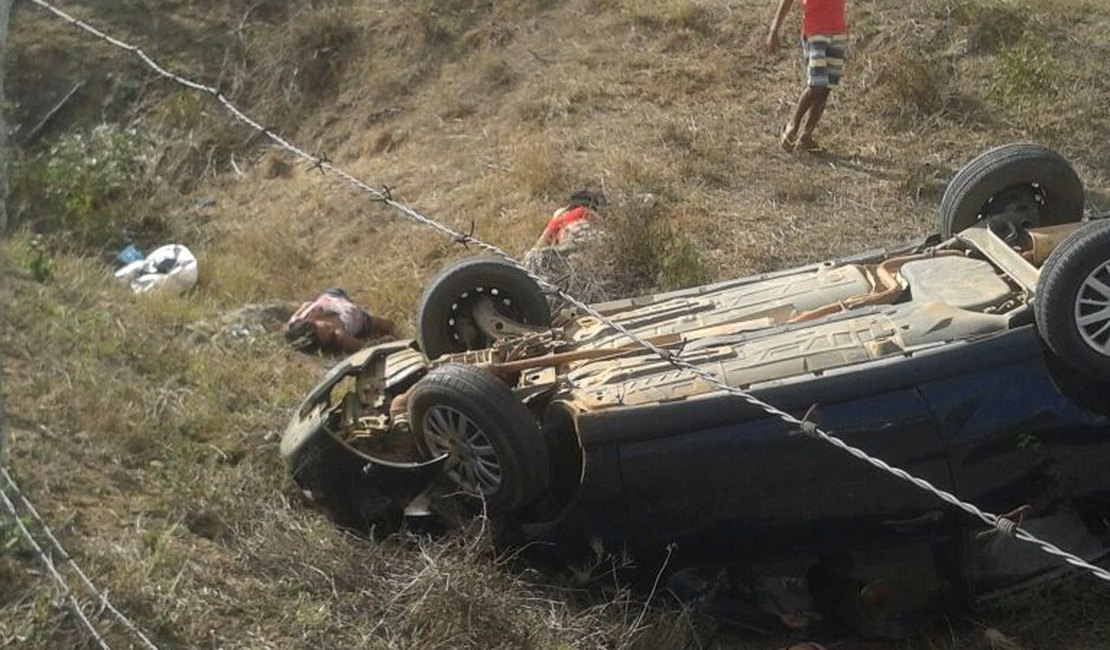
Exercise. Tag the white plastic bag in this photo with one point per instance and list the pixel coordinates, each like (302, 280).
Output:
(170, 268)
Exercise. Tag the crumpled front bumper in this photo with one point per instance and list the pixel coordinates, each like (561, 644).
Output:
(357, 489)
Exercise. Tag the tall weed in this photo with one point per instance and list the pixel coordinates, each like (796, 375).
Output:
(650, 250)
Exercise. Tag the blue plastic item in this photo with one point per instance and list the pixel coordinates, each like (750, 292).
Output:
(129, 255)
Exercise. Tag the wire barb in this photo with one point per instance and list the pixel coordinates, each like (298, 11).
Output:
(385, 194)
(1006, 524)
(1007, 527)
(808, 426)
(319, 162)
(669, 355)
(464, 238)
(717, 382)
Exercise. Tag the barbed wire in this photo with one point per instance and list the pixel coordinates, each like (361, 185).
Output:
(384, 195)
(67, 558)
(60, 581)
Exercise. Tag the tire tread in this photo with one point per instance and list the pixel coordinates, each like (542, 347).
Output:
(1068, 266)
(992, 167)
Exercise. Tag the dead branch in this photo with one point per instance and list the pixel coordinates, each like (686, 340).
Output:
(37, 131)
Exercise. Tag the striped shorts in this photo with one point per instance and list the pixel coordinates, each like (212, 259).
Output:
(824, 56)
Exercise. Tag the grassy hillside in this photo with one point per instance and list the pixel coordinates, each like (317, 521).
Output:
(149, 436)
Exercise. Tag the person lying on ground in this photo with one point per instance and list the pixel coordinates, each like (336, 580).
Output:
(332, 322)
(571, 252)
(571, 220)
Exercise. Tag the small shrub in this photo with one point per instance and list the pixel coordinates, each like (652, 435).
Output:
(635, 248)
(680, 263)
(649, 251)
(1023, 73)
(86, 187)
(37, 262)
(908, 87)
(990, 25)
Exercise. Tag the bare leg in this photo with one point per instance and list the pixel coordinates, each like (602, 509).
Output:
(816, 109)
(804, 105)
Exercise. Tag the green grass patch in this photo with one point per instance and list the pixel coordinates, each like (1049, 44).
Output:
(1024, 75)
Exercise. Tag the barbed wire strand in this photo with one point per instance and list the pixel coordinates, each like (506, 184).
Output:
(67, 593)
(384, 196)
(66, 557)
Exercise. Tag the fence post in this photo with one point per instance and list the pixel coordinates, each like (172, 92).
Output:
(5, 10)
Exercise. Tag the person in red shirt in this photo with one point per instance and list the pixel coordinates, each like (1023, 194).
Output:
(824, 43)
(571, 218)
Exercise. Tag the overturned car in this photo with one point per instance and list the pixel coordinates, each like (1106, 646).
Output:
(977, 359)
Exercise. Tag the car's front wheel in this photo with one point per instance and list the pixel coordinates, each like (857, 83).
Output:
(1073, 300)
(494, 447)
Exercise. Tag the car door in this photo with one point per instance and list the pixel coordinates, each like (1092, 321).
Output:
(752, 486)
(1014, 438)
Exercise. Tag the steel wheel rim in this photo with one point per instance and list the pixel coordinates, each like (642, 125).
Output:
(1092, 310)
(473, 463)
(460, 323)
(1013, 209)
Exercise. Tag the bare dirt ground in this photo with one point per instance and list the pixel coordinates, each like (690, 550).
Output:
(150, 442)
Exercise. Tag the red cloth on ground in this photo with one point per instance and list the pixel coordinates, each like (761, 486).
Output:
(823, 17)
(554, 229)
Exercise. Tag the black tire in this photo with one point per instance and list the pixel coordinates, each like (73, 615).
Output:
(1013, 186)
(444, 310)
(1073, 300)
(455, 394)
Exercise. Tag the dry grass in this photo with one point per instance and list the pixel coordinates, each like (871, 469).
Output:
(539, 170)
(150, 444)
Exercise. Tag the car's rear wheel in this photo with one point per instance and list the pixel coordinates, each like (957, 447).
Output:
(1073, 300)
(494, 447)
(1012, 188)
(445, 318)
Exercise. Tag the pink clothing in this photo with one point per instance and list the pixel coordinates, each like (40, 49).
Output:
(823, 17)
(354, 320)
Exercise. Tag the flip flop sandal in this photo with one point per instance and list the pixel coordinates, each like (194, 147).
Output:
(812, 146)
(787, 143)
